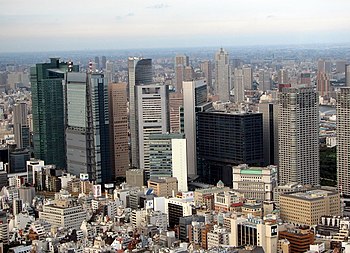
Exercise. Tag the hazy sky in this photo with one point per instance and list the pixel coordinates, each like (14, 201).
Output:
(41, 25)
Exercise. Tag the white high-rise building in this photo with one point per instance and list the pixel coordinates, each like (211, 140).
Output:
(343, 140)
(247, 78)
(140, 72)
(298, 132)
(152, 116)
(195, 96)
(179, 162)
(223, 76)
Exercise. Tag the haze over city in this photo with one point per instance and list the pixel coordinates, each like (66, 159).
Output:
(42, 25)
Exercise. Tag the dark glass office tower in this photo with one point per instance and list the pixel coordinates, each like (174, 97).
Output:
(227, 139)
(48, 111)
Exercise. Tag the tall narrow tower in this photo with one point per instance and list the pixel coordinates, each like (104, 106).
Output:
(140, 72)
(153, 117)
(119, 128)
(20, 125)
(343, 140)
(298, 132)
(223, 77)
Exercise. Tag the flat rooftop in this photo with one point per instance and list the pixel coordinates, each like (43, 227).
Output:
(311, 195)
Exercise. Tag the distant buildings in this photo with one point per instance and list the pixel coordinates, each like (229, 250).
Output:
(21, 126)
(298, 132)
(182, 66)
(223, 75)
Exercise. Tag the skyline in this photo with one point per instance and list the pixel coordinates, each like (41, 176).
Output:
(163, 24)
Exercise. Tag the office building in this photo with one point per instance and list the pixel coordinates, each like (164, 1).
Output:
(255, 182)
(323, 84)
(163, 187)
(247, 78)
(283, 77)
(206, 68)
(269, 112)
(177, 208)
(87, 126)
(264, 80)
(299, 239)
(179, 162)
(305, 78)
(223, 75)
(324, 66)
(291, 187)
(306, 208)
(185, 225)
(63, 213)
(139, 72)
(175, 105)
(195, 99)
(18, 159)
(4, 228)
(118, 116)
(225, 139)
(48, 110)
(20, 125)
(343, 140)
(238, 84)
(347, 75)
(181, 63)
(153, 117)
(298, 131)
(161, 154)
(254, 231)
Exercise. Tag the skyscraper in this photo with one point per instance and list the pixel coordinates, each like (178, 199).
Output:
(175, 103)
(247, 78)
(269, 112)
(181, 62)
(20, 125)
(152, 117)
(119, 128)
(323, 84)
(223, 76)
(87, 126)
(343, 140)
(264, 80)
(347, 75)
(283, 76)
(195, 99)
(324, 66)
(206, 68)
(239, 86)
(48, 111)
(225, 139)
(298, 131)
(140, 72)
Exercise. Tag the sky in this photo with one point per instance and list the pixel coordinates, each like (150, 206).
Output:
(45, 25)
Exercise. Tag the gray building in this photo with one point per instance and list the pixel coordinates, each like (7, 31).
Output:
(223, 75)
(20, 125)
(87, 126)
(298, 134)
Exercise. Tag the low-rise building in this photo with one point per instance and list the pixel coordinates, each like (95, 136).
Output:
(306, 208)
(163, 187)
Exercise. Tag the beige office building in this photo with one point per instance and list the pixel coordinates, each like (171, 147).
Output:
(119, 128)
(163, 187)
(306, 208)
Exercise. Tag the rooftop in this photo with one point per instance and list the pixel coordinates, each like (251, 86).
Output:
(312, 195)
